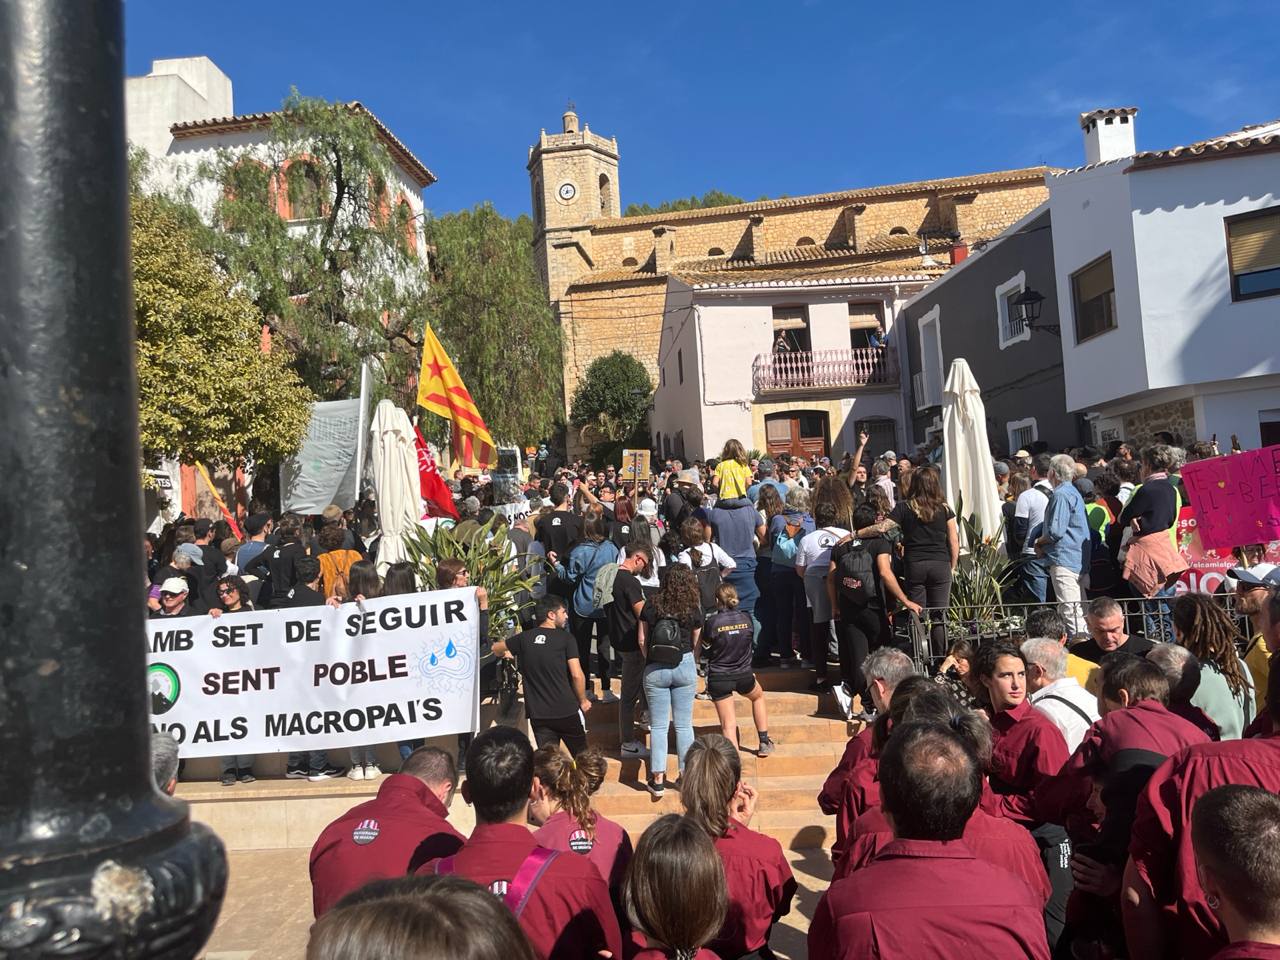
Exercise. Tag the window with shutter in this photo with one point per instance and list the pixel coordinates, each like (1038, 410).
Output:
(791, 328)
(1253, 249)
(1093, 296)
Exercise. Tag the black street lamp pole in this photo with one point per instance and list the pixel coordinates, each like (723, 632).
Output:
(94, 861)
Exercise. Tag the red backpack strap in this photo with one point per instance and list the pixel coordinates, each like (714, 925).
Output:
(527, 877)
(444, 866)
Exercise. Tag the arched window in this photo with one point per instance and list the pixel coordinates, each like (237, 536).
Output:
(715, 252)
(404, 214)
(606, 196)
(899, 231)
(379, 205)
(805, 242)
(538, 213)
(305, 191)
(631, 262)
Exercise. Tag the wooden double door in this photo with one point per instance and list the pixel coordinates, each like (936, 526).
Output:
(800, 433)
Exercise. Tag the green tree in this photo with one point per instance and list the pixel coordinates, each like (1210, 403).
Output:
(489, 309)
(611, 403)
(712, 198)
(341, 281)
(206, 390)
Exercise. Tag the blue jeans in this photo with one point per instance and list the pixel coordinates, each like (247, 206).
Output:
(239, 762)
(763, 613)
(789, 612)
(408, 746)
(312, 760)
(1155, 615)
(670, 690)
(363, 756)
(1034, 574)
(743, 579)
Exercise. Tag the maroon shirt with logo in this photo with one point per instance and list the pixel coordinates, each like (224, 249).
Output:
(927, 898)
(1161, 845)
(388, 836)
(568, 915)
(610, 851)
(761, 886)
(856, 750)
(1026, 750)
(995, 840)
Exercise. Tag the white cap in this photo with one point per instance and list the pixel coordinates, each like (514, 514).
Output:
(174, 585)
(647, 508)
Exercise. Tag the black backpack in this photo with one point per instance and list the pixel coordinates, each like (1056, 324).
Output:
(666, 645)
(856, 575)
(708, 578)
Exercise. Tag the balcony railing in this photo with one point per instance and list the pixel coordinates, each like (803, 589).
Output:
(824, 369)
(927, 390)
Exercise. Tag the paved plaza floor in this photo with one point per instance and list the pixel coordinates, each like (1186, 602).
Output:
(267, 913)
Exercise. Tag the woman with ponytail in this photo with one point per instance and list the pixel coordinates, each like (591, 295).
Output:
(561, 809)
(758, 876)
(674, 893)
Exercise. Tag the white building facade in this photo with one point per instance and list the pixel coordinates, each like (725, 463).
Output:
(1168, 280)
(724, 374)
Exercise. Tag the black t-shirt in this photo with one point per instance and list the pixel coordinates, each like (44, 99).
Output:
(544, 654)
(623, 621)
(650, 617)
(920, 540)
(559, 531)
(1089, 650)
(876, 546)
(278, 561)
(729, 635)
(187, 611)
(303, 596)
(621, 532)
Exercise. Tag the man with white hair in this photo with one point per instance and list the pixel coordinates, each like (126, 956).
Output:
(164, 761)
(1064, 540)
(1070, 706)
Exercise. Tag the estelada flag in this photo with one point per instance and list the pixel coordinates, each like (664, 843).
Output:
(435, 492)
(441, 391)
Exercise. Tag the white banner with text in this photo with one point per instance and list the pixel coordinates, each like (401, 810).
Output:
(316, 678)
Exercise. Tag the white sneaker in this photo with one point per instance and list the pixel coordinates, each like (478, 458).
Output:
(372, 771)
(632, 748)
(356, 772)
(609, 697)
(843, 699)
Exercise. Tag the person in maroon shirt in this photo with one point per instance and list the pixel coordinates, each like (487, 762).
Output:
(561, 810)
(390, 835)
(675, 893)
(564, 905)
(759, 878)
(995, 840)
(1028, 749)
(1166, 912)
(884, 669)
(926, 894)
(1235, 832)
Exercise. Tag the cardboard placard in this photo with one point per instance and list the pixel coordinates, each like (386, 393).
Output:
(1236, 497)
(635, 466)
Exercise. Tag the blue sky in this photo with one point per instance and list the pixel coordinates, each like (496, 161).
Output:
(752, 98)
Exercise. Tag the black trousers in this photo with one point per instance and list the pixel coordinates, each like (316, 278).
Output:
(581, 628)
(571, 730)
(1055, 853)
(858, 631)
(929, 584)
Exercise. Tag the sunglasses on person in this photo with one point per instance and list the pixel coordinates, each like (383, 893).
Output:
(224, 591)
(170, 596)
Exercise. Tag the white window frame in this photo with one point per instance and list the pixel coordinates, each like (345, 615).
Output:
(1013, 426)
(932, 317)
(1017, 282)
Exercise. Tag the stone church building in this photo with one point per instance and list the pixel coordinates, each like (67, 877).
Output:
(608, 276)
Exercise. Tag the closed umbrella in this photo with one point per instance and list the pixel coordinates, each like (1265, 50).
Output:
(395, 477)
(967, 467)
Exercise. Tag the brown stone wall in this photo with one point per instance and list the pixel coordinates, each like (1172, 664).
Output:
(1177, 416)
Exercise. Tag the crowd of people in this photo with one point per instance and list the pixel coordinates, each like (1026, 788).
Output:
(1098, 783)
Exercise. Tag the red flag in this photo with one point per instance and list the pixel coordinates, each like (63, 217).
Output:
(435, 492)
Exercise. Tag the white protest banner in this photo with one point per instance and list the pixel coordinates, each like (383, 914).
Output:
(315, 678)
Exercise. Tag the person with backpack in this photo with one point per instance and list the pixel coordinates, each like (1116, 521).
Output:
(813, 563)
(707, 560)
(785, 532)
(861, 573)
(728, 639)
(669, 636)
(594, 551)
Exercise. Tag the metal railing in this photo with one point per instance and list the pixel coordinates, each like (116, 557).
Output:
(824, 369)
(930, 635)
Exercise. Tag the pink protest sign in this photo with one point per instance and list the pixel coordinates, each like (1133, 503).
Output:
(1236, 497)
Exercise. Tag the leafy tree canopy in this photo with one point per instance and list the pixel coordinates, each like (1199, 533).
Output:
(206, 390)
(341, 280)
(490, 311)
(613, 398)
(712, 198)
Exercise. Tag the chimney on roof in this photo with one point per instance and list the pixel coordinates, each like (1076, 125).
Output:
(1108, 134)
(664, 248)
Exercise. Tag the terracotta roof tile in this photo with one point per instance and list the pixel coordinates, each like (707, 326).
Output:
(818, 199)
(251, 121)
(897, 271)
(1257, 138)
(618, 275)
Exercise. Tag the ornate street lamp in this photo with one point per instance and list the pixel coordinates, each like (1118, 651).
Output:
(1028, 305)
(96, 861)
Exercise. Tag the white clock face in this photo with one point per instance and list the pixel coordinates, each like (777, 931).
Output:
(567, 191)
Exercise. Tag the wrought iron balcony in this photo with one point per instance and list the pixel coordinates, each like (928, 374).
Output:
(824, 369)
